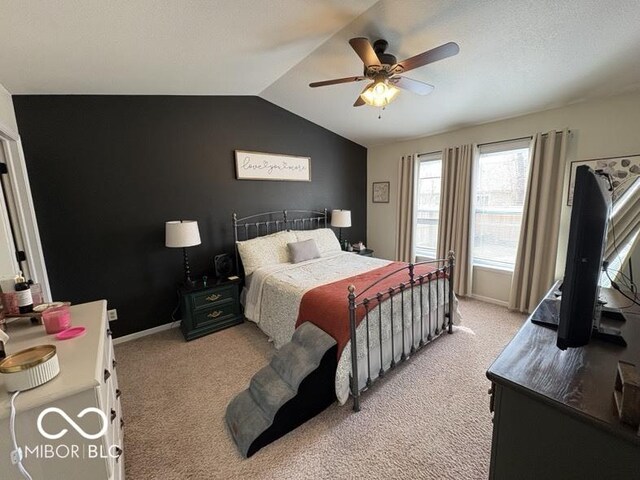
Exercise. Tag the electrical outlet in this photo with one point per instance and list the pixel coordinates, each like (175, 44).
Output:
(112, 315)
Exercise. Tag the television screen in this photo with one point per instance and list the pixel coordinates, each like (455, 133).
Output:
(587, 239)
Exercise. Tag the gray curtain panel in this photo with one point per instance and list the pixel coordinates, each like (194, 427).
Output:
(535, 266)
(405, 249)
(455, 213)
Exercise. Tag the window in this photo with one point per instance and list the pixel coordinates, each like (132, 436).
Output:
(500, 187)
(428, 204)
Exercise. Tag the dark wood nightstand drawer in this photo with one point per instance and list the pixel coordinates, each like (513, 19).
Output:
(219, 313)
(213, 297)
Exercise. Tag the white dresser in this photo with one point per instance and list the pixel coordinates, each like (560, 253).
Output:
(87, 379)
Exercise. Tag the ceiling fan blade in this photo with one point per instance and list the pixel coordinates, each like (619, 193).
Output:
(414, 86)
(365, 51)
(336, 81)
(439, 53)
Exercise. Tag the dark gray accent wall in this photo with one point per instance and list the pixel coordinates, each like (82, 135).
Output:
(106, 172)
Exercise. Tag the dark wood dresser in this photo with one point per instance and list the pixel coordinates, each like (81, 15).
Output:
(554, 415)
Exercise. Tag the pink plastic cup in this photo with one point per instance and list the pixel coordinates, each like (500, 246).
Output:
(56, 319)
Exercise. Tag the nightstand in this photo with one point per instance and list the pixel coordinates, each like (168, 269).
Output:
(207, 309)
(365, 253)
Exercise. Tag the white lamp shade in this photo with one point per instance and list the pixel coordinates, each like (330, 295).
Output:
(182, 233)
(341, 218)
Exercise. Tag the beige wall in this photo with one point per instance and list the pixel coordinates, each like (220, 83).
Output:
(7, 115)
(602, 128)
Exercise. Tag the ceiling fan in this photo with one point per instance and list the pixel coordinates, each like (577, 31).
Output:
(384, 71)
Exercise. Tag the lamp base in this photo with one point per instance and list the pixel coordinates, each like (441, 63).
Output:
(343, 243)
(187, 271)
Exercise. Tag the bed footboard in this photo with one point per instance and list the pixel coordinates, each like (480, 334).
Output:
(442, 277)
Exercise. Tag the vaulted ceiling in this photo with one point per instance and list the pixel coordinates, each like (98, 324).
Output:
(515, 57)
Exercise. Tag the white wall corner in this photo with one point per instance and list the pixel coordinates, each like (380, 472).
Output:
(8, 122)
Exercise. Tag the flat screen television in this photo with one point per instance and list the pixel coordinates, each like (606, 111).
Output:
(587, 239)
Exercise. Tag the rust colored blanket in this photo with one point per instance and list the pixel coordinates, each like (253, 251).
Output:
(327, 306)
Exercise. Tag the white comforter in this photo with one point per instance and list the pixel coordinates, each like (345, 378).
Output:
(274, 295)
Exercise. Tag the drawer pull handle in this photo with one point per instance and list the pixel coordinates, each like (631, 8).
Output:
(107, 375)
(113, 415)
(114, 363)
(118, 453)
(213, 297)
(118, 393)
(215, 314)
(109, 332)
(121, 423)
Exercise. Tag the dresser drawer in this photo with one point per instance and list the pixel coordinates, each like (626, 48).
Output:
(213, 297)
(216, 314)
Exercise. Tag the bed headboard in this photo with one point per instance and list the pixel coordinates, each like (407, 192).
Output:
(266, 223)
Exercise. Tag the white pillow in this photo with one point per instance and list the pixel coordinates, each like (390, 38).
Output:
(325, 240)
(268, 250)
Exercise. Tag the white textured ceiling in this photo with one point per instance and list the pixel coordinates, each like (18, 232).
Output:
(516, 56)
(182, 47)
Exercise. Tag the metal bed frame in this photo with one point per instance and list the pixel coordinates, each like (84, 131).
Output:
(277, 221)
(445, 270)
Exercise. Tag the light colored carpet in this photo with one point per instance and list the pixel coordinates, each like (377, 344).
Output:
(428, 419)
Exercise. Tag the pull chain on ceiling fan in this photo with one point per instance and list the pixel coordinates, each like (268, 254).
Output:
(385, 70)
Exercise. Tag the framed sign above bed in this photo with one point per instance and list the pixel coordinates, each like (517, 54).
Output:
(272, 166)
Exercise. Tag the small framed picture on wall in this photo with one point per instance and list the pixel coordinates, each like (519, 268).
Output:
(381, 192)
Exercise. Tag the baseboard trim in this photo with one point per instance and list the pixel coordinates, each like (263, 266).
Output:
(144, 333)
(489, 300)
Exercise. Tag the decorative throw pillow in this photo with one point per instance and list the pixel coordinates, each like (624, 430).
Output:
(262, 251)
(326, 240)
(305, 250)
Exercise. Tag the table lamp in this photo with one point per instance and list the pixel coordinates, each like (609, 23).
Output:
(183, 234)
(340, 219)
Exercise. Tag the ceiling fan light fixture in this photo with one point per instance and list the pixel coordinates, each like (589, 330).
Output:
(380, 93)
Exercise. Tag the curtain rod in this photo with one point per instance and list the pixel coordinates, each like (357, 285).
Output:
(429, 153)
(528, 137)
